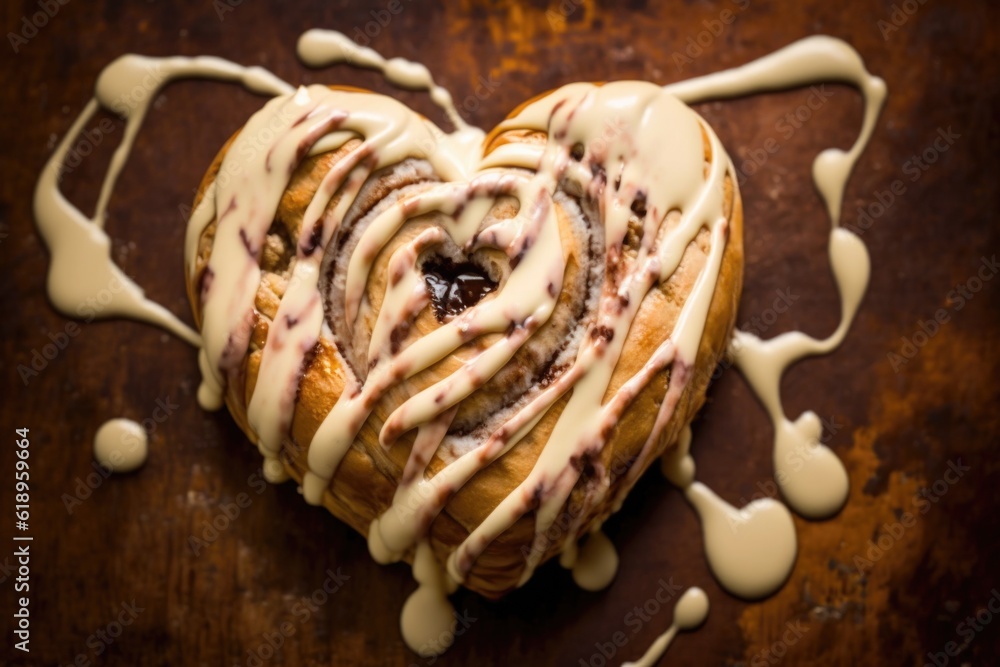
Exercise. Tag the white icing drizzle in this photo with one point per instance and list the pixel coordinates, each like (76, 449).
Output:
(121, 445)
(81, 269)
(811, 477)
(752, 550)
(320, 48)
(690, 612)
(638, 136)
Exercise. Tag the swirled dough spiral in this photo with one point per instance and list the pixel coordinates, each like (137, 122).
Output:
(479, 346)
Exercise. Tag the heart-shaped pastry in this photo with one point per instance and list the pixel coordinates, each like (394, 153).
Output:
(474, 343)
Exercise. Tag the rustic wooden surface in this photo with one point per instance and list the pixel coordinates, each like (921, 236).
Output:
(896, 431)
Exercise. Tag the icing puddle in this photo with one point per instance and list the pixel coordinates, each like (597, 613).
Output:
(750, 549)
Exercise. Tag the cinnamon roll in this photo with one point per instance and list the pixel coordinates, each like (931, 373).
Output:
(478, 344)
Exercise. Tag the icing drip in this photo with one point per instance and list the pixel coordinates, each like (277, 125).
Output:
(121, 445)
(428, 619)
(81, 269)
(811, 477)
(750, 550)
(758, 552)
(320, 48)
(596, 564)
(690, 611)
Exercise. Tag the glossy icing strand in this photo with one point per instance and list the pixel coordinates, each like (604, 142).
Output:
(81, 268)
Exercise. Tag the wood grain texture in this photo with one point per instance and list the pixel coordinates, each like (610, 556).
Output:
(898, 432)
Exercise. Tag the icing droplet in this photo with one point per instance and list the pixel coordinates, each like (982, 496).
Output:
(121, 445)
(428, 619)
(597, 563)
(379, 550)
(274, 471)
(812, 479)
(676, 465)
(209, 390)
(689, 612)
(752, 550)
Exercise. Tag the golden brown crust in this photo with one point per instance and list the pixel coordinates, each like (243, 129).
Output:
(366, 480)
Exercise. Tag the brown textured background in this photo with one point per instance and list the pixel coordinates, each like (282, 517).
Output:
(897, 432)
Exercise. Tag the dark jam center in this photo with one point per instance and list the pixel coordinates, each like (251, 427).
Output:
(455, 286)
